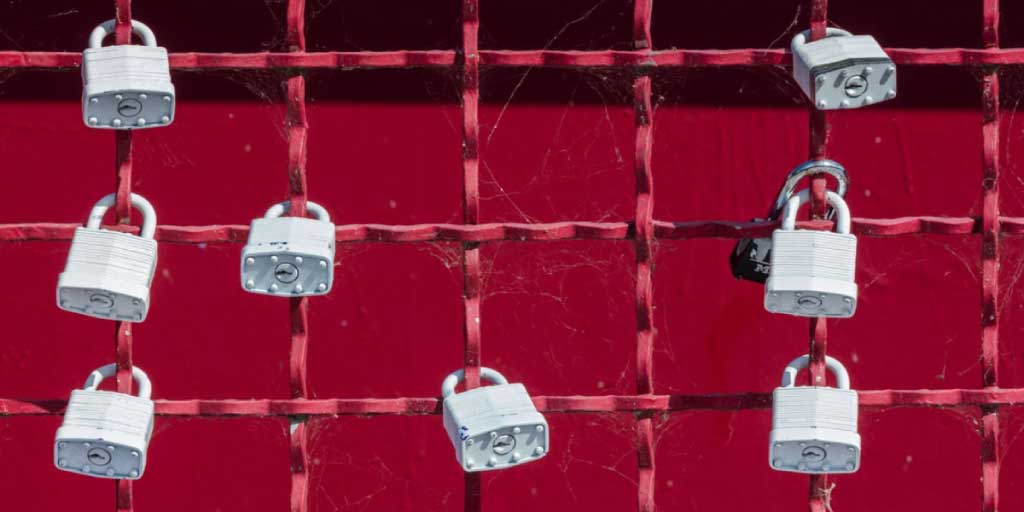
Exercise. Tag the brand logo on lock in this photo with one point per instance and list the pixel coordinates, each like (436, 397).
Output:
(129, 107)
(814, 453)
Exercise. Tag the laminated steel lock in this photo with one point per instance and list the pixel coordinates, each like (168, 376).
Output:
(126, 86)
(814, 428)
(105, 434)
(751, 258)
(108, 273)
(289, 256)
(493, 427)
(842, 70)
(812, 272)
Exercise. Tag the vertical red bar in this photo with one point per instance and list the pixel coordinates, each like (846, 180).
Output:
(818, 329)
(990, 452)
(122, 213)
(644, 221)
(471, 214)
(298, 127)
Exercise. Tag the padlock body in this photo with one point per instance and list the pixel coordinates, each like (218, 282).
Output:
(104, 434)
(494, 427)
(108, 275)
(812, 274)
(127, 83)
(814, 430)
(751, 259)
(844, 72)
(289, 257)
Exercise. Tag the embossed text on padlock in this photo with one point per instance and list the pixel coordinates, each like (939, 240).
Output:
(814, 428)
(289, 256)
(108, 273)
(126, 86)
(812, 272)
(106, 434)
(493, 427)
(843, 70)
(751, 257)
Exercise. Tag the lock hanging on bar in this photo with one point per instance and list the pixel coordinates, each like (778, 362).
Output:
(842, 70)
(751, 257)
(105, 434)
(812, 272)
(289, 256)
(493, 427)
(126, 86)
(814, 428)
(108, 273)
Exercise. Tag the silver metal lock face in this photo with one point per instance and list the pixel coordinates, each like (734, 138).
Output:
(289, 256)
(814, 429)
(126, 86)
(108, 273)
(751, 257)
(843, 70)
(105, 434)
(493, 427)
(812, 272)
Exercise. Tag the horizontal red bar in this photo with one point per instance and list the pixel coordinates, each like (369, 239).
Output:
(238, 233)
(555, 404)
(518, 58)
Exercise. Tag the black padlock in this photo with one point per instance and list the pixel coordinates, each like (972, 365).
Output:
(751, 257)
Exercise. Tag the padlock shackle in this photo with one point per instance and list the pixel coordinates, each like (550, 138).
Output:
(833, 364)
(455, 378)
(809, 168)
(801, 38)
(804, 196)
(140, 203)
(107, 27)
(97, 376)
(279, 209)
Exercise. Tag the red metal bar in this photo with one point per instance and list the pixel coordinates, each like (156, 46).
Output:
(470, 61)
(990, 450)
(644, 242)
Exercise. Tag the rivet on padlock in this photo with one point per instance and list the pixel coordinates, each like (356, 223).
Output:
(126, 86)
(105, 434)
(289, 256)
(843, 70)
(108, 273)
(812, 272)
(751, 257)
(493, 427)
(814, 428)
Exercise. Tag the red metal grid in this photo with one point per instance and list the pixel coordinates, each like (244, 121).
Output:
(643, 230)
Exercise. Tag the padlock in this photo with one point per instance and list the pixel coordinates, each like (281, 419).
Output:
(108, 273)
(751, 258)
(126, 86)
(493, 427)
(105, 434)
(843, 70)
(289, 256)
(812, 272)
(814, 428)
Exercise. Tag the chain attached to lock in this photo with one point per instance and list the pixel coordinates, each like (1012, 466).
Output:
(126, 86)
(493, 427)
(105, 434)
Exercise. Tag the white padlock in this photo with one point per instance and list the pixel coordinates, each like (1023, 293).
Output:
(814, 428)
(812, 272)
(843, 70)
(289, 256)
(108, 273)
(126, 86)
(493, 427)
(105, 434)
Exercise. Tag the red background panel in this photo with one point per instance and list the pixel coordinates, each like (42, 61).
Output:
(463, 137)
